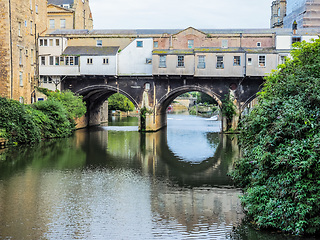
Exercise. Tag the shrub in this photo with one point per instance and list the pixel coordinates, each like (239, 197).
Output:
(280, 139)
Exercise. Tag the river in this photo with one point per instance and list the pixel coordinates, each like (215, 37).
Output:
(112, 182)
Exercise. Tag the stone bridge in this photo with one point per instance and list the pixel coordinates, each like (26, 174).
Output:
(156, 93)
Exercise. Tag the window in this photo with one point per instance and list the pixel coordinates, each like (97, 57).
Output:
(180, 61)
(76, 61)
(155, 44)
(224, 43)
(20, 56)
(52, 24)
(19, 28)
(220, 62)
(30, 4)
(62, 23)
(99, 43)
(296, 39)
(21, 79)
(61, 60)
(66, 60)
(25, 23)
(163, 61)
(190, 43)
(57, 42)
(21, 99)
(249, 61)
(43, 60)
(148, 60)
(43, 42)
(51, 60)
(31, 27)
(46, 79)
(139, 43)
(57, 61)
(51, 42)
(262, 61)
(258, 44)
(71, 61)
(279, 12)
(236, 61)
(201, 62)
(89, 61)
(66, 6)
(105, 61)
(282, 59)
(31, 55)
(37, 8)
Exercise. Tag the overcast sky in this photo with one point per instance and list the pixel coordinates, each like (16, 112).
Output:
(173, 14)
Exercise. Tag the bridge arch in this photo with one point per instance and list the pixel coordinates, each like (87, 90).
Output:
(165, 101)
(97, 94)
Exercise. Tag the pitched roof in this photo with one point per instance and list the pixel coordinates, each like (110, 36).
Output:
(91, 51)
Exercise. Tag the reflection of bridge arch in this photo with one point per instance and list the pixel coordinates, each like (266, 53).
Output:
(97, 94)
(167, 99)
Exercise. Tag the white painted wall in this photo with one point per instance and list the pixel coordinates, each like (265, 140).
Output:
(59, 70)
(284, 42)
(97, 67)
(132, 59)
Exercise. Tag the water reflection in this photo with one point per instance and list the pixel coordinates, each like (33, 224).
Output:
(111, 184)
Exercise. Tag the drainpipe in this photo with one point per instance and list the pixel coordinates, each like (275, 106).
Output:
(11, 51)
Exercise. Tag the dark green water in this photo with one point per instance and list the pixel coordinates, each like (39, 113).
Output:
(116, 183)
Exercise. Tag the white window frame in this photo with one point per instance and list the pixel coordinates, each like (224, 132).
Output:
(259, 44)
(180, 63)
(262, 63)
(63, 23)
(99, 43)
(190, 43)
(236, 61)
(202, 61)
(220, 62)
(89, 61)
(52, 23)
(105, 61)
(162, 61)
(139, 44)
(249, 61)
(155, 44)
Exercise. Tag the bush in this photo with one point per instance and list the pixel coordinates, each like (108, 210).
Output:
(280, 139)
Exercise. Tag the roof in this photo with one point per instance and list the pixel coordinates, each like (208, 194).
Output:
(146, 32)
(60, 2)
(91, 51)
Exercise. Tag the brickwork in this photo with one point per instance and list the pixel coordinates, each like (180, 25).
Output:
(27, 18)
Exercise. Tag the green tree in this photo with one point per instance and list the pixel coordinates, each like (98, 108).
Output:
(120, 102)
(280, 139)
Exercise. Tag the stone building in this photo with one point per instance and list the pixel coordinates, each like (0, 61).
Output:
(69, 14)
(295, 14)
(20, 23)
(278, 12)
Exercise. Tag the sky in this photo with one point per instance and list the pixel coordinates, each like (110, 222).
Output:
(180, 14)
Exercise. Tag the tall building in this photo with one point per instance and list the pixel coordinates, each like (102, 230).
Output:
(69, 14)
(278, 12)
(20, 23)
(295, 14)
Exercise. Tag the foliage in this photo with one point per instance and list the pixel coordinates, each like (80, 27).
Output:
(17, 123)
(52, 118)
(120, 102)
(74, 105)
(280, 139)
(143, 114)
(228, 108)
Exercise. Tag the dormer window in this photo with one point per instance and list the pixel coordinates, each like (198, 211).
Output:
(99, 43)
(67, 6)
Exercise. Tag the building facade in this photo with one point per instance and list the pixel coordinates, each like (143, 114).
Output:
(20, 23)
(69, 14)
(278, 12)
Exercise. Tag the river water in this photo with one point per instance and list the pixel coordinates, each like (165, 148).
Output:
(116, 183)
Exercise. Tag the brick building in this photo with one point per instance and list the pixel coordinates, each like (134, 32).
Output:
(20, 23)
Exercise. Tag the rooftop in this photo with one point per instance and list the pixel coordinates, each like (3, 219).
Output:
(91, 51)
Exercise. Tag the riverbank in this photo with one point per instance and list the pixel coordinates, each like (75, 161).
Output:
(52, 118)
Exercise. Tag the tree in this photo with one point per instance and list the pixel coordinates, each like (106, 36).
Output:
(119, 102)
(280, 139)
